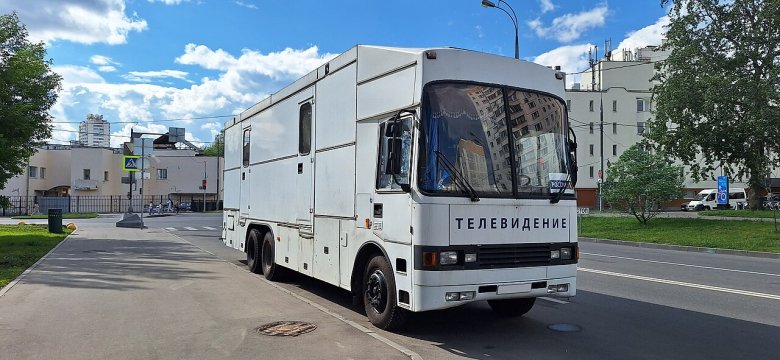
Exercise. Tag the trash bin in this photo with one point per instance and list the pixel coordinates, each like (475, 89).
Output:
(55, 220)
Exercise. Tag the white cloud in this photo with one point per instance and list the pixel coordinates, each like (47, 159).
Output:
(571, 59)
(570, 27)
(246, 5)
(288, 63)
(87, 22)
(480, 32)
(546, 5)
(648, 35)
(168, 2)
(147, 76)
(106, 68)
(241, 82)
(102, 60)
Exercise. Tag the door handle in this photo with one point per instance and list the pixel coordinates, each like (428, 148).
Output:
(243, 176)
(300, 168)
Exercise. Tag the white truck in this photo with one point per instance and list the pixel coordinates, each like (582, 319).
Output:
(417, 179)
(707, 200)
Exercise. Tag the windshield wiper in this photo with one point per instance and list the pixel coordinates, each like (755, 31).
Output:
(459, 179)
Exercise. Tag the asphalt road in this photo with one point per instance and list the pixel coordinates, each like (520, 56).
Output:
(632, 303)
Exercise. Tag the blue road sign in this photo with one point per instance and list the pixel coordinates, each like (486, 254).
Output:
(131, 163)
(723, 190)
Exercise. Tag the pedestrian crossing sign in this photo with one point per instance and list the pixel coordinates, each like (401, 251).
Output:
(130, 163)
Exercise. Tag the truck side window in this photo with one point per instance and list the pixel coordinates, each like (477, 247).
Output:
(304, 129)
(394, 137)
(245, 156)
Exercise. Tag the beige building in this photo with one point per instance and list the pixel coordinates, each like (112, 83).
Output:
(621, 89)
(93, 177)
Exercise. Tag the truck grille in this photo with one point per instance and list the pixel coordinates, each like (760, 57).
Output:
(492, 257)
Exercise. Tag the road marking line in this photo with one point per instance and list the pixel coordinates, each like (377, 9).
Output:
(685, 284)
(209, 228)
(679, 264)
(559, 301)
(190, 228)
(170, 229)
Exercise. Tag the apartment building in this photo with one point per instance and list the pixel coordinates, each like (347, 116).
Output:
(617, 89)
(95, 131)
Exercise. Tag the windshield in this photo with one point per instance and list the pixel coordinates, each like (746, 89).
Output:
(466, 125)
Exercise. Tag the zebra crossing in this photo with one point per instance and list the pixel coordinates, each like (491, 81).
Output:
(190, 228)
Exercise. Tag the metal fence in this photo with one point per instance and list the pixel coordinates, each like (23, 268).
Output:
(27, 205)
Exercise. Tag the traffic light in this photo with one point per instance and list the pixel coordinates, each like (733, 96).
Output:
(204, 183)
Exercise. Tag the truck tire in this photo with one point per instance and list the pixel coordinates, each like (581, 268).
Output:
(379, 295)
(253, 251)
(512, 307)
(271, 271)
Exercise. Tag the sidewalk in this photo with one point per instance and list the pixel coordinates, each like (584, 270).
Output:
(116, 293)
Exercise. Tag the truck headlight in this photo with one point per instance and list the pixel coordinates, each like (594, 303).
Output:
(555, 254)
(566, 253)
(448, 258)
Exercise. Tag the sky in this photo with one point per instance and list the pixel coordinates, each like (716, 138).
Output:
(152, 64)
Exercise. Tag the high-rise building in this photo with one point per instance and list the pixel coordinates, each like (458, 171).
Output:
(95, 132)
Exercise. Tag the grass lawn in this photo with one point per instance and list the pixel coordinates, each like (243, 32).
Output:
(723, 234)
(64, 216)
(742, 213)
(21, 246)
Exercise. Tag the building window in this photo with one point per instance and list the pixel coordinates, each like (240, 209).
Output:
(245, 157)
(640, 128)
(614, 150)
(591, 172)
(105, 175)
(33, 171)
(590, 128)
(614, 105)
(640, 105)
(614, 128)
(591, 149)
(43, 173)
(162, 174)
(86, 174)
(568, 105)
(304, 129)
(590, 106)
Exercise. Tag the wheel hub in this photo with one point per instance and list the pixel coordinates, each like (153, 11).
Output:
(376, 291)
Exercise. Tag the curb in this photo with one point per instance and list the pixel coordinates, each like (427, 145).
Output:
(33, 266)
(756, 254)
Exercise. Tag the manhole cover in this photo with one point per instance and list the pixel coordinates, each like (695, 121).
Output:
(564, 327)
(286, 328)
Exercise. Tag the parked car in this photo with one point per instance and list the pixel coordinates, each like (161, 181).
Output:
(185, 206)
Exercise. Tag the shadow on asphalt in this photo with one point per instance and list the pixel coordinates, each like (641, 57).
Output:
(117, 264)
(610, 328)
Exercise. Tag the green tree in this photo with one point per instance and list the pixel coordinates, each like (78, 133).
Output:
(28, 89)
(217, 148)
(640, 181)
(718, 102)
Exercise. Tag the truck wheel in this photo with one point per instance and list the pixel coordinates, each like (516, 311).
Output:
(253, 251)
(271, 271)
(379, 295)
(512, 307)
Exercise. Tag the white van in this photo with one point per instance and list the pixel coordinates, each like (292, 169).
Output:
(707, 200)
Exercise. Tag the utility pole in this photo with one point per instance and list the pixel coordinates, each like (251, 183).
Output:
(205, 178)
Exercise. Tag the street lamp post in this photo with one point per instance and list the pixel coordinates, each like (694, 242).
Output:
(513, 16)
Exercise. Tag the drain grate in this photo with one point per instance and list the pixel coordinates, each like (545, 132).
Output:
(286, 328)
